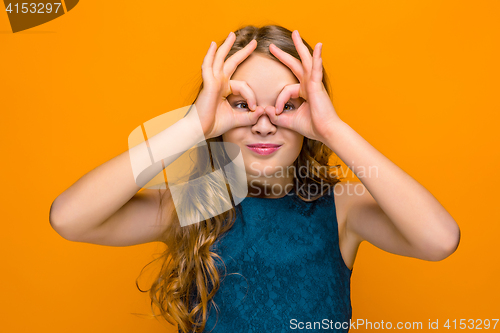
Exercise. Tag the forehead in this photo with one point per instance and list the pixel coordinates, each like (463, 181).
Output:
(264, 74)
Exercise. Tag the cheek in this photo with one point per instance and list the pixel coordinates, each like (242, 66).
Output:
(234, 135)
(296, 141)
(297, 147)
(233, 139)
(294, 148)
(228, 137)
(300, 142)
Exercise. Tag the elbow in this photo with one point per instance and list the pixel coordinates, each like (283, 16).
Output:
(58, 226)
(54, 218)
(446, 244)
(57, 223)
(62, 230)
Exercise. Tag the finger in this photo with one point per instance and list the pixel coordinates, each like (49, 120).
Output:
(206, 66)
(288, 92)
(284, 120)
(317, 65)
(233, 61)
(247, 118)
(222, 52)
(290, 61)
(302, 49)
(243, 89)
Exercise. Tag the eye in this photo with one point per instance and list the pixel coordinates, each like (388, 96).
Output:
(241, 105)
(290, 105)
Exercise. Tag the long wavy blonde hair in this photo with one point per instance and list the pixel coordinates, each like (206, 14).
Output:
(188, 278)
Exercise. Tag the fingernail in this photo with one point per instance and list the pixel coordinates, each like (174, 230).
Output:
(229, 35)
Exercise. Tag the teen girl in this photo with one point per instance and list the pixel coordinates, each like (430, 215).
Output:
(281, 258)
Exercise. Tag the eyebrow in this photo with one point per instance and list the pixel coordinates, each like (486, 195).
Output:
(233, 96)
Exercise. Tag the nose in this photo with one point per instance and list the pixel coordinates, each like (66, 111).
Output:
(264, 126)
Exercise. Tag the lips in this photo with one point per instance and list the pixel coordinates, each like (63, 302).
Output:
(264, 148)
(263, 145)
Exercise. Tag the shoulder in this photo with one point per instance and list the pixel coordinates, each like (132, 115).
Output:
(349, 194)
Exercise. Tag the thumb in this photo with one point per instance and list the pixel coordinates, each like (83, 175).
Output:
(284, 119)
(247, 118)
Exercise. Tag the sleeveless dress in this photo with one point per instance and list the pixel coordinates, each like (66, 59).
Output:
(283, 269)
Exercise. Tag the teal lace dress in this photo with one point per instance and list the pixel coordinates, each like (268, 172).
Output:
(283, 269)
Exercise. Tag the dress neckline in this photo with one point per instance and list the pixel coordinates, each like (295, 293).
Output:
(288, 194)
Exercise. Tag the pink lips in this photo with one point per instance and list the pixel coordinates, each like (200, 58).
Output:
(264, 148)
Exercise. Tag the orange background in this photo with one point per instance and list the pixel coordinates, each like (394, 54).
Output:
(417, 79)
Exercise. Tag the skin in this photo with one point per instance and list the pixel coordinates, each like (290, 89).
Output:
(267, 78)
(266, 173)
(389, 208)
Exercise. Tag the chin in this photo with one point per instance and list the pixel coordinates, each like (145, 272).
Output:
(264, 168)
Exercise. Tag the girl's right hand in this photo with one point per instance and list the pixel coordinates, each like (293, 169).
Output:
(214, 111)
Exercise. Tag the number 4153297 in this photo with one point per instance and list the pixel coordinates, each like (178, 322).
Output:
(471, 324)
(32, 8)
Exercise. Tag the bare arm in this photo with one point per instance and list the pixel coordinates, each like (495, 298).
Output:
(94, 198)
(389, 208)
(104, 206)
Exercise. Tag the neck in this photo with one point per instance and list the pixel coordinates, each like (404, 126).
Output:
(269, 187)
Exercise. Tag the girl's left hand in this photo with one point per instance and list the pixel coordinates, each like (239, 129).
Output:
(316, 116)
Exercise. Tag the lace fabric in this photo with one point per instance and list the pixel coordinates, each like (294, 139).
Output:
(283, 269)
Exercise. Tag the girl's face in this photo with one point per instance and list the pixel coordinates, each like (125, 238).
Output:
(266, 77)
